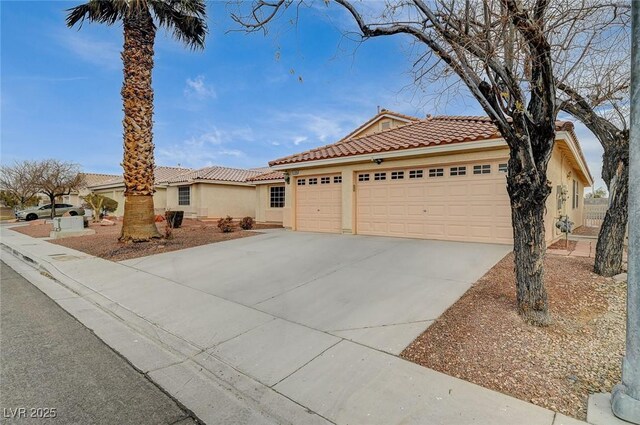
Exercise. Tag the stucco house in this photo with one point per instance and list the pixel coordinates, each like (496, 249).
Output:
(441, 177)
(214, 192)
(90, 180)
(114, 188)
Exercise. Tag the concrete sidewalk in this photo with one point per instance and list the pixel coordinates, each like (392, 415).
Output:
(234, 364)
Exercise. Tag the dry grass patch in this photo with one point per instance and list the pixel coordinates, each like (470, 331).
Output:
(482, 339)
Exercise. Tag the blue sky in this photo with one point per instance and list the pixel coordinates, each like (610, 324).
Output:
(246, 99)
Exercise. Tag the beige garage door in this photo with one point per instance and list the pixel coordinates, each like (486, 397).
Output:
(319, 203)
(462, 202)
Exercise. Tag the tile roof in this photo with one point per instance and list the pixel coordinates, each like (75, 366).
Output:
(93, 179)
(215, 173)
(438, 130)
(161, 174)
(376, 117)
(271, 175)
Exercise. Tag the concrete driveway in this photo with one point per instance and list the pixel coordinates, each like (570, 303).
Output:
(380, 292)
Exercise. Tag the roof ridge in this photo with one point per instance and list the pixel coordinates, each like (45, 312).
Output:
(382, 131)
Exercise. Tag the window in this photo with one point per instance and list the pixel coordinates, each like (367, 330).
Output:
(576, 199)
(458, 171)
(416, 174)
(276, 199)
(325, 180)
(397, 175)
(436, 172)
(337, 179)
(385, 125)
(380, 176)
(301, 182)
(502, 168)
(363, 177)
(313, 181)
(482, 169)
(184, 195)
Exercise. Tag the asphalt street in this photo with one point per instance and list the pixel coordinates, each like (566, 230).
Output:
(54, 370)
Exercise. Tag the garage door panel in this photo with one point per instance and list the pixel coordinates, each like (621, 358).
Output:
(319, 206)
(470, 207)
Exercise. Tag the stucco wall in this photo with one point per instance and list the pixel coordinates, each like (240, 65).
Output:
(557, 169)
(264, 213)
(558, 173)
(377, 126)
(117, 195)
(215, 200)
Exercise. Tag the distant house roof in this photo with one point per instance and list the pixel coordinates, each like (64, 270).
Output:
(161, 174)
(93, 179)
(216, 173)
(271, 175)
(438, 130)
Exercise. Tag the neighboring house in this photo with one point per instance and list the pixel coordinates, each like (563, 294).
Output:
(90, 179)
(440, 178)
(114, 188)
(213, 192)
(269, 197)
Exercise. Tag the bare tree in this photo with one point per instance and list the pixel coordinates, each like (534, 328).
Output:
(594, 88)
(58, 178)
(499, 51)
(19, 181)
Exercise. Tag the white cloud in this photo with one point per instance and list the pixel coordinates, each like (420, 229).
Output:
(105, 54)
(214, 146)
(299, 139)
(197, 88)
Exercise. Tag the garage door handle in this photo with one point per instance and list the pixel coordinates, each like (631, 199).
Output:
(318, 209)
(424, 210)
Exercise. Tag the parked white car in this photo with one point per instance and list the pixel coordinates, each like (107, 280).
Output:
(45, 211)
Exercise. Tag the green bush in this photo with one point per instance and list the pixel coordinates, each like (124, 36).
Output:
(226, 224)
(246, 223)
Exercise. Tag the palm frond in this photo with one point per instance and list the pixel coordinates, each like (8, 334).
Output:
(187, 19)
(101, 11)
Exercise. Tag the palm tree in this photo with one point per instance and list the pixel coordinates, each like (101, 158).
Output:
(187, 20)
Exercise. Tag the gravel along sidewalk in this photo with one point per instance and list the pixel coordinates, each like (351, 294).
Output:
(481, 338)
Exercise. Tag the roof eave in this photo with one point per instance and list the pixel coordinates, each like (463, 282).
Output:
(400, 153)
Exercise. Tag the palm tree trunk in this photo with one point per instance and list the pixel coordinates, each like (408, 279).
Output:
(609, 249)
(137, 97)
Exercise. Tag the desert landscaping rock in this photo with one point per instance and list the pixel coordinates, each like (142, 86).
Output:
(622, 277)
(556, 367)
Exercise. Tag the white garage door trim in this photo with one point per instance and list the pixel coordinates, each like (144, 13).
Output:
(442, 202)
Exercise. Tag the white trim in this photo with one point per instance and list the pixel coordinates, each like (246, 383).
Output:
(452, 147)
(572, 144)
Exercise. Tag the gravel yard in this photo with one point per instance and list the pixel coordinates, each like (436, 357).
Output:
(586, 231)
(482, 339)
(105, 243)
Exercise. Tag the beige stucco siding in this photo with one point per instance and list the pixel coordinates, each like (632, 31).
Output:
(378, 126)
(215, 200)
(561, 172)
(263, 211)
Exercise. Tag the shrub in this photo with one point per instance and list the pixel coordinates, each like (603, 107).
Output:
(246, 223)
(226, 224)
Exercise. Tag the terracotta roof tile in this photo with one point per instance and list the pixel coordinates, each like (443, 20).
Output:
(93, 179)
(439, 130)
(271, 175)
(216, 173)
(161, 175)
